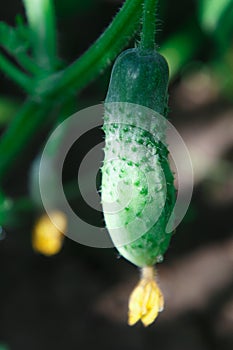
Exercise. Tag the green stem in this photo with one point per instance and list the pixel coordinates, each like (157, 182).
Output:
(148, 25)
(15, 74)
(28, 64)
(75, 77)
(41, 19)
(99, 55)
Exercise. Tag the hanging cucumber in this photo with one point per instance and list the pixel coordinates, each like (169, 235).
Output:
(136, 161)
(137, 80)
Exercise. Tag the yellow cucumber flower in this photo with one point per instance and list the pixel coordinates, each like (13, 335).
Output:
(47, 239)
(146, 300)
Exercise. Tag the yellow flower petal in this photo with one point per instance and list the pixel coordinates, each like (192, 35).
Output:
(146, 300)
(152, 307)
(47, 238)
(135, 305)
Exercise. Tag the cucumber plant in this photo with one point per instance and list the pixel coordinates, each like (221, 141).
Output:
(139, 78)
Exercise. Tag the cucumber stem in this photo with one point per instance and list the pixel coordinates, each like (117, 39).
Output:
(42, 24)
(148, 273)
(148, 25)
(18, 76)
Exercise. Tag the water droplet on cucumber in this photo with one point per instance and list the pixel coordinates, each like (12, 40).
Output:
(159, 258)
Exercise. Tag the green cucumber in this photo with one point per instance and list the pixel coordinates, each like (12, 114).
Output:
(136, 157)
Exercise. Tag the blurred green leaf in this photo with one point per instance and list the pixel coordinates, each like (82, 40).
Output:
(180, 47)
(210, 12)
(8, 108)
(216, 19)
(223, 69)
(14, 40)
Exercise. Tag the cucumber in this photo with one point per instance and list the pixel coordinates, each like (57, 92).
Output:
(136, 157)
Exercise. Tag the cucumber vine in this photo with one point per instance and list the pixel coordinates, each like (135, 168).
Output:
(49, 84)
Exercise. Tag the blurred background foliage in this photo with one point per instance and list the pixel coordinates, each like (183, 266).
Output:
(77, 298)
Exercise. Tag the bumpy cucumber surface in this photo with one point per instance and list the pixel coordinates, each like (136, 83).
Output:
(136, 175)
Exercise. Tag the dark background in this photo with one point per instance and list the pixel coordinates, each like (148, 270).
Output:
(78, 298)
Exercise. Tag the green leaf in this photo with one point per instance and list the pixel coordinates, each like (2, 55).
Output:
(181, 46)
(211, 11)
(216, 19)
(14, 40)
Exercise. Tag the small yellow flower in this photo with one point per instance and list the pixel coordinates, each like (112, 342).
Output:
(47, 239)
(146, 300)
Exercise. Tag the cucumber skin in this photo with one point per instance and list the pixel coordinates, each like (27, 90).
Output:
(140, 79)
